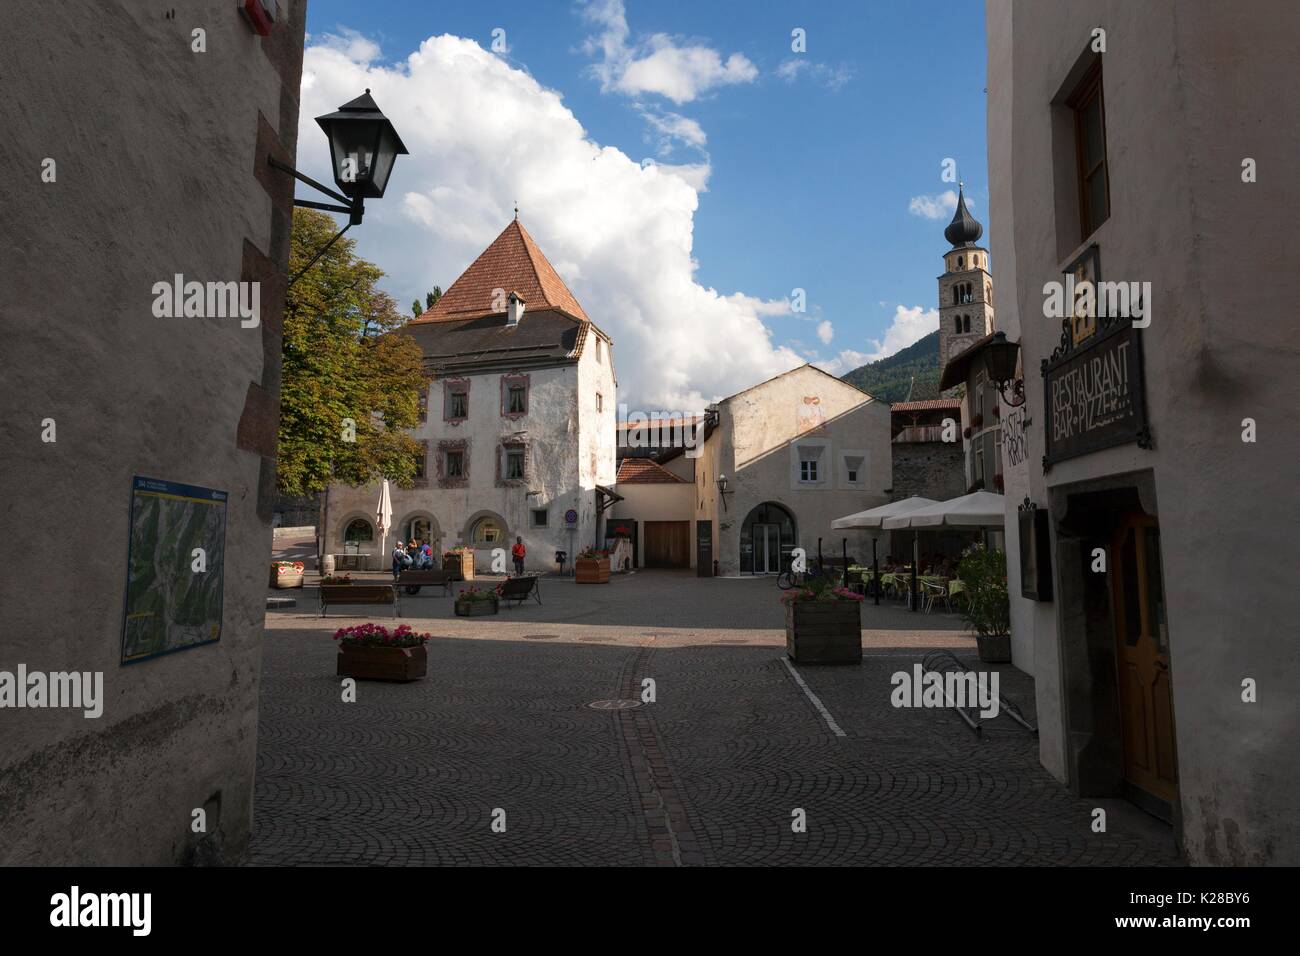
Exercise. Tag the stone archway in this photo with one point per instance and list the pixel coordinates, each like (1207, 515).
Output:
(478, 530)
(767, 537)
(423, 525)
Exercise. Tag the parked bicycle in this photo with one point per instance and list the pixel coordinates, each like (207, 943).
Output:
(790, 578)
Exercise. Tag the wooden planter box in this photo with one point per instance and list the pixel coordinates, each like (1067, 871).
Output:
(382, 663)
(591, 570)
(286, 579)
(460, 566)
(824, 632)
(476, 608)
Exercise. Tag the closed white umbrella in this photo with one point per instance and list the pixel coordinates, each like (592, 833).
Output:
(979, 509)
(384, 519)
(872, 517)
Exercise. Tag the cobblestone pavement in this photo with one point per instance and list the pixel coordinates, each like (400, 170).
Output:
(710, 773)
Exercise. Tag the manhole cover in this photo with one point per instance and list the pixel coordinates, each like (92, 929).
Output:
(540, 637)
(623, 704)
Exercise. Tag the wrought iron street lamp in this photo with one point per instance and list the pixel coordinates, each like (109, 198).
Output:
(722, 490)
(1000, 356)
(363, 147)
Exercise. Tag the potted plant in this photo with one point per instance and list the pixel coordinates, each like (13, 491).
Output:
(987, 610)
(372, 652)
(823, 622)
(286, 574)
(459, 562)
(591, 567)
(336, 579)
(474, 601)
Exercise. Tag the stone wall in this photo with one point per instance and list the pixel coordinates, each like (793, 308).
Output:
(929, 469)
(160, 169)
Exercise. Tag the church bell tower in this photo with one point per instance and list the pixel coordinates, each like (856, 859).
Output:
(966, 286)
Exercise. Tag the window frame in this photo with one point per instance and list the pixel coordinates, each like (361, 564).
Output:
(509, 382)
(1088, 90)
(451, 388)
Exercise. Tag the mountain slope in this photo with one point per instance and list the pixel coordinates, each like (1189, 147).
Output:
(890, 378)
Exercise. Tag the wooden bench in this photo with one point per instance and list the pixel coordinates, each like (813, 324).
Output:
(384, 594)
(519, 590)
(413, 580)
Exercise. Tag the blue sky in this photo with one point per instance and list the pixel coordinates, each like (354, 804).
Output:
(813, 160)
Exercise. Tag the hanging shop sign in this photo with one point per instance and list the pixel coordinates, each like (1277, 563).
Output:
(1094, 391)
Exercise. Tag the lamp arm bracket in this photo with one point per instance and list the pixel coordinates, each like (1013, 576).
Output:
(284, 168)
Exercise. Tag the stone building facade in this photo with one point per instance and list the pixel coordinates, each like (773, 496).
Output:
(519, 422)
(797, 452)
(1158, 638)
(154, 162)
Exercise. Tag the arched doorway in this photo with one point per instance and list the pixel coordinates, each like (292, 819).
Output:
(766, 539)
(423, 527)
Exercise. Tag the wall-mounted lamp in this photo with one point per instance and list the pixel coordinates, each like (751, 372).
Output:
(722, 490)
(1000, 357)
(363, 147)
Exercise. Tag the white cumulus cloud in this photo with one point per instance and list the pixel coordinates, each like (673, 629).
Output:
(825, 332)
(659, 64)
(908, 327)
(940, 206)
(483, 134)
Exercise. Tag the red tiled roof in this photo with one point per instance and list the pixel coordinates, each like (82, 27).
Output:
(926, 405)
(643, 471)
(514, 263)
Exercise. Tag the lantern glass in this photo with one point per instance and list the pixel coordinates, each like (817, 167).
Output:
(1000, 358)
(353, 147)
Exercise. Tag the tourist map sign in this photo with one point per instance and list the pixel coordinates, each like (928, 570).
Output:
(175, 563)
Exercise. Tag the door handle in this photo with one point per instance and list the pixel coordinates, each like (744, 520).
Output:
(1162, 665)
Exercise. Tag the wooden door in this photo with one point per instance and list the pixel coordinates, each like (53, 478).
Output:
(1142, 658)
(667, 544)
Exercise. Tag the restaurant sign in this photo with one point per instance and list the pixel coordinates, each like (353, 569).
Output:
(1095, 392)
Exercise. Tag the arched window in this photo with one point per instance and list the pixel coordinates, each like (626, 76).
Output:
(965, 320)
(357, 532)
(487, 531)
(959, 262)
(988, 292)
(956, 323)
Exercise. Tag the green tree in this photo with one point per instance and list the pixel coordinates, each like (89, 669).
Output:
(344, 358)
(431, 298)
(415, 308)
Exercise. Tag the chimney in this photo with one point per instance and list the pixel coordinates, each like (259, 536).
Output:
(514, 309)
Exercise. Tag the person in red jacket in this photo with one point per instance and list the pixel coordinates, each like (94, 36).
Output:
(518, 552)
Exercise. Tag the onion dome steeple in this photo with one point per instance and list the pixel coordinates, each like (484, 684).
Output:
(964, 230)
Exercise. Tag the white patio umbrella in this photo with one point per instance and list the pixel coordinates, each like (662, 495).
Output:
(979, 509)
(872, 517)
(384, 519)
(871, 520)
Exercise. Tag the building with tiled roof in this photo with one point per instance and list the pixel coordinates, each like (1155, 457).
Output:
(643, 471)
(518, 422)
